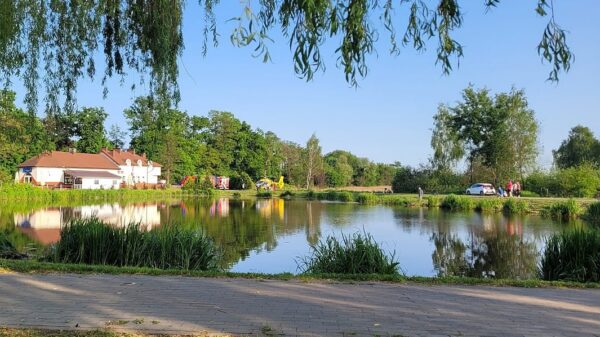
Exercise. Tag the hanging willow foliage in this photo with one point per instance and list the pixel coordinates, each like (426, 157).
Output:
(144, 36)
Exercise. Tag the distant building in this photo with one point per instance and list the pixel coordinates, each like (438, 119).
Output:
(109, 169)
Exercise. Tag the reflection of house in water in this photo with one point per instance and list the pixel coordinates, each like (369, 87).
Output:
(220, 207)
(43, 225)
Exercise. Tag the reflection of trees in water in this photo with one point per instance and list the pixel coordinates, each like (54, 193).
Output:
(488, 254)
(248, 226)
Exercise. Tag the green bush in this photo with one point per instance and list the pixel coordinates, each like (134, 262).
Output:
(287, 194)
(457, 203)
(488, 205)
(90, 241)
(562, 210)
(354, 254)
(515, 206)
(264, 194)
(582, 182)
(237, 195)
(311, 195)
(572, 255)
(592, 214)
(367, 198)
(7, 249)
(394, 200)
(241, 181)
(434, 201)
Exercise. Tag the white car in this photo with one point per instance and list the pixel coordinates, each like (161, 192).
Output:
(481, 189)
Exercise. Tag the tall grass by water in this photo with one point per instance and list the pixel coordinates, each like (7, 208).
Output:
(592, 214)
(515, 206)
(573, 255)
(562, 210)
(457, 203)
(488, 205)
(90, 241)
(352, 254)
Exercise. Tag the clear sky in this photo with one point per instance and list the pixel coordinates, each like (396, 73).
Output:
(389, 116)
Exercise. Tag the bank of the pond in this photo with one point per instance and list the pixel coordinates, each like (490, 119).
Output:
(522, 205)
(33, 266)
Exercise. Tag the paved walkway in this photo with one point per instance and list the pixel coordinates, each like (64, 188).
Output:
(280, 308)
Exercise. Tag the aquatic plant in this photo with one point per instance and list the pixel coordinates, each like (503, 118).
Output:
(287, 194)
(91, 241)
(562, 210)
(572, 255)
(366, 198)
(433, 201)
(592, 214)
(8, 249)
(488, 205)
(515, 206)
(264, 194)
(457, 203)
(353, 254)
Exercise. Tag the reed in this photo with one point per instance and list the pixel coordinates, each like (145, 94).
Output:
(572, 255)
(367, 198)
(488, 205)
(515, 206)
(457, 203)
(592, 214)
(352, 254)
(562, 210)
(264, 194)
(90, 241)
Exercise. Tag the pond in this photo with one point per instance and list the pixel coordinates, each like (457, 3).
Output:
(272, 235)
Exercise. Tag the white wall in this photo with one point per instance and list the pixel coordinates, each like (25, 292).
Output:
(103, 183)
(139, 174)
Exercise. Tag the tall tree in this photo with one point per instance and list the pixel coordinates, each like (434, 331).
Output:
(89, 128)
(146, 37)
(579, 148)
(313, 160)
(116, 137)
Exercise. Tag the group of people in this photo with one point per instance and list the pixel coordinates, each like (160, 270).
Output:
(512, 189)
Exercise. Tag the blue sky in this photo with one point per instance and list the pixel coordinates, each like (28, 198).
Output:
(389, 116)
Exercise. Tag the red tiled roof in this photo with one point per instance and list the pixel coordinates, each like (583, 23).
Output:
(70, 160)
(120, 157)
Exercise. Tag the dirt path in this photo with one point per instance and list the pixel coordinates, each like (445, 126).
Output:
(280, 308)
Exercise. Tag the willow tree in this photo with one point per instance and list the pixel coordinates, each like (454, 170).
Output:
(60, 38)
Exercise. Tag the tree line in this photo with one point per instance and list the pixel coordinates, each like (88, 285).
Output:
(487, 137)
(184, 144)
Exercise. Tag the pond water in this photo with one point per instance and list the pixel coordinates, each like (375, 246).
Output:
(272, 235)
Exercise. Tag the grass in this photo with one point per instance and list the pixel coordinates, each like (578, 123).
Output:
(592, 214)
(457, 203)
(562, 210)
(7, 249)
(573, 255)
(90, 241)
(20, 332)
(264, 194)
(488, 205)
(352, 254)
(515, 206)
(32, 266)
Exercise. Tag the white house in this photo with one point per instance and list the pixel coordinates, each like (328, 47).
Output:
(134, 169)
(105, 170)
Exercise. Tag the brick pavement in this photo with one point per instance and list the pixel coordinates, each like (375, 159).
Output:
(223, 306)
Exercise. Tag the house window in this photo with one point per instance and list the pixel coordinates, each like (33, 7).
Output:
(27, 179)
(68, 179)
(96, 182)
(115, 182)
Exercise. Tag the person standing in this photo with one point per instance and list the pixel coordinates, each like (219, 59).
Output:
(420, 193)
(509, 188)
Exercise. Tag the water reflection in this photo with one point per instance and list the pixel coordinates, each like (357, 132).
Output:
(268, 235)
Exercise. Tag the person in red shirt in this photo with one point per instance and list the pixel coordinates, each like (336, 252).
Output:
(509, 188)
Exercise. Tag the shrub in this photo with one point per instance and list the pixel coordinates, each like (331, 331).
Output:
(264, 194)
(90, 241)
(457, 203)
(434, 201)
(488, 205)
(353, 254)
(395, 200)
(572, 255)
(237, 195)
(240, 181)
(8, 250)
(582, 181)
(366, 198)
(311, 195)
(562, 210)
(592, 214)
(515, 206)
(344, 196)
(287, 194)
